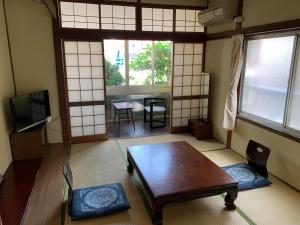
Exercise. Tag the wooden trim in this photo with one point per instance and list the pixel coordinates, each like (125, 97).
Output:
(176, 130)
(167, 6)
(61, 85)
(240, 4)
(272, 27)
(87, 103)
(189, 97)
(104, 85)
(138, 16)
(280, 133)
(137, 4)
(90, 138)
(95, 35)
(260, 29)
(9, 48)
(228, 139)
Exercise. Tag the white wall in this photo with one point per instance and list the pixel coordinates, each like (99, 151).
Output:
(30, 31)
(6, 92)
(284, 159)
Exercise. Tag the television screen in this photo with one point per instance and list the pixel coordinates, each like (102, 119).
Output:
(29, 110)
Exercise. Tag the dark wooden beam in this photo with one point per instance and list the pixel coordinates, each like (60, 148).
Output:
(51, 7)
(95, 35)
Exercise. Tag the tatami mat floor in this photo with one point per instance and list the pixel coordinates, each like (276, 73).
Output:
(105, 162)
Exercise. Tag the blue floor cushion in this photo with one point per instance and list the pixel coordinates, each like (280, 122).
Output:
(246, 176)
(98, 201)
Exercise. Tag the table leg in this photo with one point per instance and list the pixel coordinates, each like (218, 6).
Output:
(157, 213)
(119, 120)
(115, 116)
(132, 119)
(127, 115)
(129, 166)
(230, 198)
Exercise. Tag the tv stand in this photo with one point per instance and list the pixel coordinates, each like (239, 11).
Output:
(29, 144)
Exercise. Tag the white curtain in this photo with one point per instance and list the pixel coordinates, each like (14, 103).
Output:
(235, 71)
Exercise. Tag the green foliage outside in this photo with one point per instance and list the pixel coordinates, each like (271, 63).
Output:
(112, 74)
(162, 62)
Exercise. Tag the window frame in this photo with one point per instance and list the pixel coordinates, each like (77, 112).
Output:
(281, 128)
(136, 89)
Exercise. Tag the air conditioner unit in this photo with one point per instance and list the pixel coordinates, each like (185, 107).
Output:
(222, 13)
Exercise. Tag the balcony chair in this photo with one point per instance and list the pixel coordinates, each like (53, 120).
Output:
(155, 106)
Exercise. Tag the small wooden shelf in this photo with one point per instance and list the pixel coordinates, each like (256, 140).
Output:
(200, 129)
(30, 144)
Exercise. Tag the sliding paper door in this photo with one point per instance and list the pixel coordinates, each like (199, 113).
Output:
(84, 73)
(190, 85)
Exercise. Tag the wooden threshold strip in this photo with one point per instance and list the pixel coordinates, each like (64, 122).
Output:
(46, 200)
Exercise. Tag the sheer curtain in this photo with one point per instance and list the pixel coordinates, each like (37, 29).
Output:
(235, 71)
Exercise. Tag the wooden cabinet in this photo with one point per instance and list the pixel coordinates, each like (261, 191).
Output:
(200, 129)
(30, 144)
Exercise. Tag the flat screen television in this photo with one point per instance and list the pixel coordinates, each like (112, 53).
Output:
(29, 111)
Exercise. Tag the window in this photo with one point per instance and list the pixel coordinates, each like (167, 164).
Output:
(137, 63)
(79, 15)
(186, 21)
(156, 19)
(114, 54)
(271, 82)
(117, 17)
(122, 17)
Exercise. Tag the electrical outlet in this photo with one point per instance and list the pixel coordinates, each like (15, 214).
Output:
(49, 119)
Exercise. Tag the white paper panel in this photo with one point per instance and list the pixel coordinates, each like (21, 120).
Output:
(79, 15)
(75, 111)
(87, 110)
(86, 96)
(117, 17)
(176, 104)
(76, 121)
(176, 122)
(99, 109)
(186, 21)
(100, 129)
(74, 96)
(88, 130)
(157, 19)
(76, 131)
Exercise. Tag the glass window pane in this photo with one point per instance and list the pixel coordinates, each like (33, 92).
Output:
(140, 62)
(294, 111)
(267, 71)
(114, 54)
(149, 61)
(162, 62)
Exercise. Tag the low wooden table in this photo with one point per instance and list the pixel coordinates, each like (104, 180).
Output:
(176, 171)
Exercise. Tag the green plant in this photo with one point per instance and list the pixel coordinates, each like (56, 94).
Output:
(113, 76)
(161, 62)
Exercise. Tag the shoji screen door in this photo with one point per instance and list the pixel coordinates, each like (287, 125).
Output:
(190, 85)
(84, 72)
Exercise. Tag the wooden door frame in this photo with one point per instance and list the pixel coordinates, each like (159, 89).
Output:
(74, 34)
